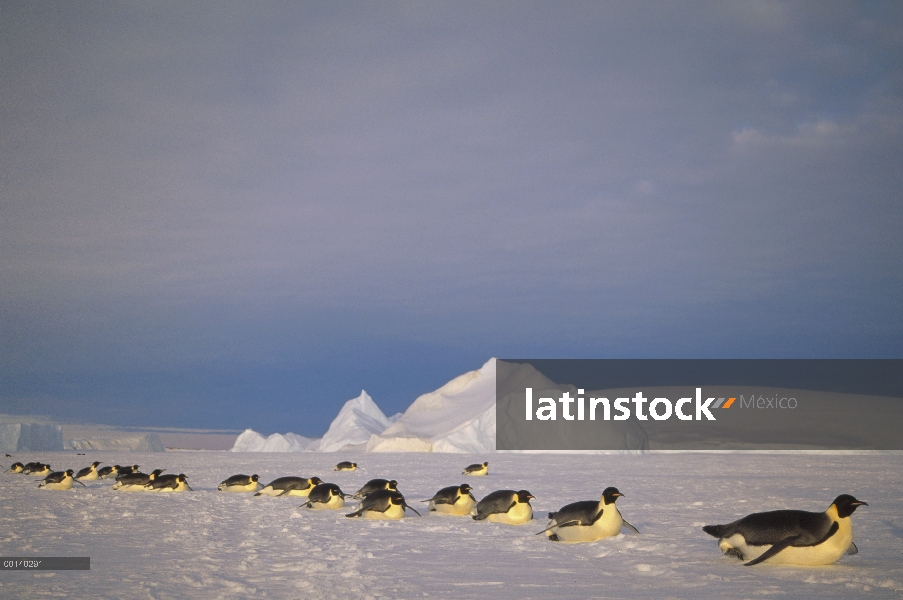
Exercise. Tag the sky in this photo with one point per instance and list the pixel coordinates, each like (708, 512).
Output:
(232, 215)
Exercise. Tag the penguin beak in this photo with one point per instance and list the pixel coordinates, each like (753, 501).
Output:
(859, 503)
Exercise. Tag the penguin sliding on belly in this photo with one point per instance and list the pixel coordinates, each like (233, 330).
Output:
(476, 470)
(382, 504)
(587, 521)
(240, 483)
(290, 486)
(345, 466)
(326, 496)
(375, 485)
(61, 480)
(795, 537)
(135, 482)
(453, 500)
(89, 473)
(169, 483)
(505, 506)
(16, 467)
(110, 472)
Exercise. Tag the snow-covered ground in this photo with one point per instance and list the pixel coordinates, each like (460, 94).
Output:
(209, 544)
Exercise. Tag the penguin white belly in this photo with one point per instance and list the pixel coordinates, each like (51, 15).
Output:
(479, 472)
(462, 506)
(394, 512)
(608, 525)
(66, 484)
(92, 476)
(334, 503)
(251, 487)
(826, 553)
(519, 513)
(129, 488)
(181, 487)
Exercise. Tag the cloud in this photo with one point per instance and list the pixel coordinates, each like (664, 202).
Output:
(184, 186)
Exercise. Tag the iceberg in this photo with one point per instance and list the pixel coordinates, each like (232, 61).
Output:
(251, 441)
(356, 422)
(458, 417)
(30, 437)
(149, 442)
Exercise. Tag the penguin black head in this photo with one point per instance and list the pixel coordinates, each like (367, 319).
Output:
(316, 481)
(611, 494)
(95, 464)
(393, 485)
(255, 477)
(846, 504)
(69, 472)
(465, 488)
(524, 496)
(486, 464)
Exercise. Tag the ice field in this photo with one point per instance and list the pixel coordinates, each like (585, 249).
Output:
(210, 544)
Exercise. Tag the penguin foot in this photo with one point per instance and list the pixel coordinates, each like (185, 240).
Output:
(554, 538)
(734, 552)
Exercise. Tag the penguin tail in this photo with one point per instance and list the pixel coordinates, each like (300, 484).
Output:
(717, 531)
(257, 494)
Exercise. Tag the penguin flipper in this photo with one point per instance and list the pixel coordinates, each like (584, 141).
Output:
(853, 549)
(554, 525)
(785, 543)
(629, 526)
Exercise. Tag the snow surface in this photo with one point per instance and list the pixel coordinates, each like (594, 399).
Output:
(206, 543)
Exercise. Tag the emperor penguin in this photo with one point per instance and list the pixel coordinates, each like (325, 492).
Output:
(505, 506)
(374, 485)
(109, 472)
(240, 483)
(587, 521)
(132, 469)
(476, 470)
(16, 467)
(382, 504)
(135, 482)
(169, 483)
(89, 473)
(453, 500)
(61, 480)
(39, 469)
(345, 466)
(290, 486)
(326, 496)
(795, 537)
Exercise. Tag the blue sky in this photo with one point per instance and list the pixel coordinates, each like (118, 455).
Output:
(234, 215)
